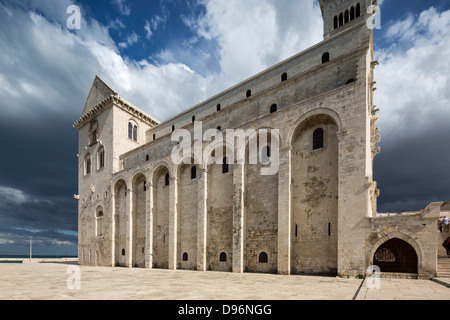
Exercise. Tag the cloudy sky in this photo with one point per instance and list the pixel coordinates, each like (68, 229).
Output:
(166, 56)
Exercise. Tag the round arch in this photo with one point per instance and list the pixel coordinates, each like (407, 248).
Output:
(315, 112)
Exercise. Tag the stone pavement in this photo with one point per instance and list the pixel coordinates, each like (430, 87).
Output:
(56, 280)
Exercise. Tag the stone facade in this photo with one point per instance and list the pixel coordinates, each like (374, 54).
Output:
(316, 215)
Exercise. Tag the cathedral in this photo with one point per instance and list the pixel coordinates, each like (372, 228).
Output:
(296, 195)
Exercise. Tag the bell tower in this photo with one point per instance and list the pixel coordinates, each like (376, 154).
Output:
(339, 15)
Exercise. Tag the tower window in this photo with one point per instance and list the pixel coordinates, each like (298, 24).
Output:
(336, 22)
(249, 93)
(341, 20)
(173, 128)
(350, 81)
(273, 108)
(223, 257)
(325, 57)
(263, 258)
(101, 158)
(225, 166)
(147, 157)
(132, 131)
(193, 119)
(318, 139)
(123, 252)
(352, 13)
(88, 164)
(284, 77)
(185, 256)
(219, 107)
(219, 128)
(154, 137)
(194, 172)
(358, 10)
(346, 17)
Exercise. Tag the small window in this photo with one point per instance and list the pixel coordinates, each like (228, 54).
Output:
(223, 257)
(173, 128)
(132, 131)
(352, 13)
(273, 108)
(296, 230)
(318, 139)
(358, 10)
(93, 133)
(249, 93)
(341, 20)
(145, 186)
(154, 137)
(219, 128)
(123, 252)
(263, 258)
(185, 256)
(219, 107)
(101, 158)
(336, 22)
(346, 17)
(225, 166)
(284, 77)
(193, 119)
(329, 229)
(194, 172)
(167, 179)
(350, 81)
(147, 157)
(325, 57)
(88, 164)
(99, 229)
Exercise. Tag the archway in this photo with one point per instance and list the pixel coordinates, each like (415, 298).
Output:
(396, 255)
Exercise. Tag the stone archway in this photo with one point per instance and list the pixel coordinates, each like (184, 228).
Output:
(396, 256)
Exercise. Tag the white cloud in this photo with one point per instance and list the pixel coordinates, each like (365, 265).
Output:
(122, 7)
(132, 39)
(152, 25)
(413, 78)
(13, 195)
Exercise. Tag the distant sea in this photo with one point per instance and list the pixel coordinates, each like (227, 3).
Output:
(36, 257)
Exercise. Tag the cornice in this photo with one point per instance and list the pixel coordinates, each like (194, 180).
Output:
(119, 102)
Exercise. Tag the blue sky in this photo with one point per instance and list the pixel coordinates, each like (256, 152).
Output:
(165, 57)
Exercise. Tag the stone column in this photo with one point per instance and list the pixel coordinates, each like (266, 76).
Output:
(284, 211)
(202, 219)
(129, 208)
(173, 217)
(238, 217)
(149, 227)
(113, 226)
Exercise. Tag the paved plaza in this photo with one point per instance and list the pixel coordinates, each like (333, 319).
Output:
(65, 280)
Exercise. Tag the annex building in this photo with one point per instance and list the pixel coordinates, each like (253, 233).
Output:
(316, 215)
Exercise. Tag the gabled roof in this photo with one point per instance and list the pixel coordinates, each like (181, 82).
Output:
(99, 91)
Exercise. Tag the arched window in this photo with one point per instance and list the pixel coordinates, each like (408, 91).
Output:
(346, 17)
(194, 172)
(173, 128)
(325, 57)
(219, 128)
(123, 252)
(336, 25)
(88, 164)
(223, 257)
(193, 119)
(101, 158)
(341, 20)
(154, 137)
(185, 256)
(350, 81)
(263, 258)
(132, 131)
(318, 139)
(99, 227)
(352, 13)
(219, 107)
(225, 166)
(284, 77)
(166, 179)
(249, 93)
(147, 157)
(358, 10)
(273, 108)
